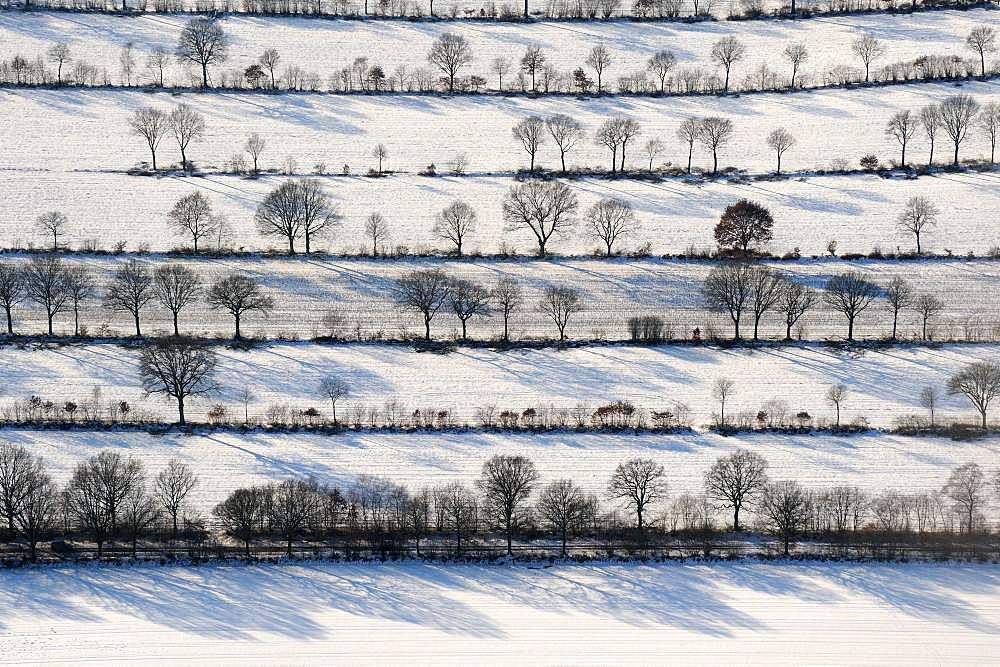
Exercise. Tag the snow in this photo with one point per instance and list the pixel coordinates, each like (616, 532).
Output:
(884, 384)
(420, 129)
(325, 46)
(226, 461)
(361, 291)
(746, 613)
(859, 211)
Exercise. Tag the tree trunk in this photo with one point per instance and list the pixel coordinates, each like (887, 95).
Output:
(184, 161)
(427, 327)
(736, 519)
(614, 158)
(180, 411)
(563, 535)
(902, 158)
(736, 324)
(236, 316)
(204, 75)
(562, 158)
(690, 153)
(135, 315)
(955, 163)
(788, 330)
(895, 319)
(176, 331)
(532, 167)
(850, 328)
(506, 317)
(307, 243)
(76, 320)
(715, 161)
(525, 8)
(10, 323)
(779, 163)
(464, 337)
(291, 244)
(50, 322)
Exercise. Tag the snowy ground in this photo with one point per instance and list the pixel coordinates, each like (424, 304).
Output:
(325, 46)
(418, 130)
(859, 212)
(884, 385)
(361, 292)
(226, 461)
(595, 614)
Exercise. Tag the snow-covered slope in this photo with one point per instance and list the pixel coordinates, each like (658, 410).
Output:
(754, 614)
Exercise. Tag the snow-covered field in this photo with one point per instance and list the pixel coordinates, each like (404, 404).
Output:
(325, 46)
(725, 613)
(87, 129)
(361, 292)
(859, 212)
(884, 384)
(227, 461)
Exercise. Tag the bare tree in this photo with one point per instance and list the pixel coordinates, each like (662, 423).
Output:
(868, 49)
(450, 53)
(52, 223)
(531, 133)
(81, 286)
(130, 290)
(270, 59)
(293, 503)
(982, 40)
(59, 54)
(850, 294)
(560, 303)
(241, 513)
(689, 132)
(735, 480)
(653, 148)
(796, 299)
(661, 64)
(508, 296)
(766, 289)
(930, 120)
(455, 223)
(459, 510)
(319, 215)
(722, 389)
(563, 507)
(989, 122)
(835, 396)
(715, 133)
(968, 487)
(566, 133)
(500, 66)
(610, 134)
(531, 62)
(927, 306)
(957, 113)
(280, 214)
(609, 220)
(178, 368)
(192, 215)
(918, 214)
(729, 289)
(544, 208)
(152, 125)
(255, 147)
(467, 300)
(640, 483)
(899, 295)
(139, 513)
(187, 126)
(176, 287)
(424, 291)
(12, 291)
(902, 127)
(797, 54)
(171, 488)
(780, 140)
(39, 507)
(725, 53)
(599, 60)
(16, 468)
(980, 383)
(930, 398)
(203, 42)
(506, 483)
(156, 62)
(784, 509)
(45, 284)
(377, 229)
(126, 62)
(380, 153)
(334, 389)
(239, 294)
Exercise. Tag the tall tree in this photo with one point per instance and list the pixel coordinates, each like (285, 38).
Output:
(506, 483)
(12, 291)
(868, 49)
(560, 303)
(468, 299)
(130, 290)
(455, 223)
(980, 383)
(715, 133)
(424, 291)
(152, 125)
(640, 483)
(239, 294)
(203, 42)
(735, 480)
(187, 126)
(52, 223)
(918, 213)
(171, 488)
(743, 225)
(508, 296)
(192, 215)
(957, 113)
(45, 284)
(726, 52)
(545, 208)
(599, 59)
(178, 368)
(729, 289)
(902, 127)
(566, 132)
(609, 220)
(850, 294)
(531, 133)
(176, 287)
(450, 53)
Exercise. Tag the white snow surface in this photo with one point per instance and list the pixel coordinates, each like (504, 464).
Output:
(859, 211)
(883, 384)
(226, 461)
(421, 129)
(721, 613)
(325, 46)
